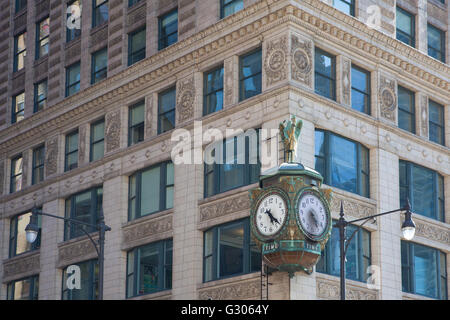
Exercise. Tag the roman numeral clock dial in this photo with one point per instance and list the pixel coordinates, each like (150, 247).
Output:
(270, 215)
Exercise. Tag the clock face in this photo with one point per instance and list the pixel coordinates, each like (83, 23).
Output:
(312, 215)
(270, 214)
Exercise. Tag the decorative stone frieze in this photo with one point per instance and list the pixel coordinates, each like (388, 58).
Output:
(185, 99)
(20, 267)
(330, 290)
(51, 156)
(234, 291)
(76, 251)
(430, 231)
(112, 131)
(302, 60)
(388, 98)
(223, 207)
(275, 62)
(139, 233)
(352, 207)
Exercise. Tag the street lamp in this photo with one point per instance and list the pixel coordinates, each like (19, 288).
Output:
(32, 230)
(408, 231)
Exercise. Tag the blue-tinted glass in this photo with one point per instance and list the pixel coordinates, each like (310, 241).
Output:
(405, 27)
(406, 110)
(231, 247)
(167, 100)
(436, 113)
(231, 6)
(136, 48)
(360, 80)
(359, 101)
(100, 12)
(168, 28)
(436, 43)
(344, 6)
(343, 164)
(148, 274)
(324, 64)
(423, 191)
(214, 91)
(425, 271)
(250, 75)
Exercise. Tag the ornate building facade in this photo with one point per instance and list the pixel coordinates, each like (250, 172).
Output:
(91, 93)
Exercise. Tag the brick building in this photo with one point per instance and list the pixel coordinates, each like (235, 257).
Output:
(91, 93)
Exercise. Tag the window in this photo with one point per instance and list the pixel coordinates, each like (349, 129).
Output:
(42, 34)
(16, 174)
(436, 43)
(18, 243)
(136, 123)
(73, 79)
(20, 4)
(424, 271)
(343, 163)
(40, 95)
(132, 2)
(97, 140)
(136, 46)
(213, 91)
(166, 110)
(360, 90)
(20, 51)
(346, 6)
(25, 289)
(71, 153)
(18, 108)
(149, 268)
(325, 74)
(99, 65)
(88, 282)
(150, 190)
(358, 257)
(38, 164)
(406, 110)
(405, 27)
(228, 250)
(168, 29)
(237, 164)
(250, 76)
(85, 207)
(424, 188)
(228, 7)
(436, 121)
(99, 12)
(73, 24)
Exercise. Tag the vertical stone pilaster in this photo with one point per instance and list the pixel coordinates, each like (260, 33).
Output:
(422, 115)
(25, 166)
(149, 116)
(2, 177)
(303, 287)
(198, 100)
(302, 60)
(57, 39)
(52, 156)
(231, 81)
(387, 96)
(343, 81)
(422, 26)
(116, 36)
(4, 248)
(305, 147)
(275, 61)
(185, 99)
(83, 144)
(112, 131)
(447, 124)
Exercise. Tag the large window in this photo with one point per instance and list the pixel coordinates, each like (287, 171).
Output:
(213, 91)
(18, 108)
(72, 79)
(42, 34)
(166, 110)
(20, 4)
(40, 95)
(406, 110)
(38, 165)
(25, 289)
(343, 163)
(97, 140)
(325, 74)
(16, 174)
(73, 23)
(20, 51)
(132, 2)
(228, 250)
(151, 190)
(99, 12)
(424, 271)
(360, 90)
(406, 27)
(149, 268)
(168, 29)
(250, 76)
(88, 289)
(436, 122)
(424, 188)
(346, 6)
(236, 164)
(136, 123)
(71, 151)
(228, 7)
(136, 46)
(436, 43)
(85, 207)
(358, 255)
(17, 236)
(99, 65)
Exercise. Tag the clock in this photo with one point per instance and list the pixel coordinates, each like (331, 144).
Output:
(313, 215)
(270, 215)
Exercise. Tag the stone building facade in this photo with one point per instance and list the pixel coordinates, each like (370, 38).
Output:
(288, 32)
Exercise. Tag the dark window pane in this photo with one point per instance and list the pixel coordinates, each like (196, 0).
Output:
(100, 14)
(229, 7)
(436, 122)
(324, 82)
(250, 75)
(406, 110)
(436, 43)
(40, 96)
(168, 29)
(136, 47)
(343, 164)
(405, 27)
(423, 196)
(425, 271)
(166, 112)
(88, 282)
(231, 246)
(213, 91)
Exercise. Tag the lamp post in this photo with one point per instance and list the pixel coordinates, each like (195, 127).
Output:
(408, 231)
(32, 230)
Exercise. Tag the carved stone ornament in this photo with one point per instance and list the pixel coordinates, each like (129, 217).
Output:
(240, 290)
(430, 231)
(301, 66)
(346, 82)
(424, 116)
(23, 266)
(327, 289)
(51, 157)
(147, 229)
(228, 99)
(276, 60)
(185, 100)
(148, 116)
(388, 99)
(354, 208)
(112, 131)
(77, 251)
(82, 145)
(224, 207)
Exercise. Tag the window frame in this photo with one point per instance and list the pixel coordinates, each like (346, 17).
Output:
(93, 142)
(368, 107)
(206, 94)
(15, 113)
(66, 154)
(164, 113)
(93, 280)
(431, 123)
(38, 101)
(39, 40)
(69, 85)
(139, 126)
(34, 288)
(20, 4)
(17, 53)
(38, 166)
(412, 114)
(411, 37)
(131, 54)
(13, 233)
(94, 73)
(333, 72)
(351, 3)
(442, 38)
(242, 78)
(13, 175)
(164, 44)
(95, 10)
(223, 5)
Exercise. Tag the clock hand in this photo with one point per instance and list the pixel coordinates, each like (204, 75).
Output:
(272, 218)
(314, 218)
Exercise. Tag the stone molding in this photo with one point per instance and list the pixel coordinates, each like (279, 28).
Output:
(76, 250)
(275, 61)
(241, 290)
(330, 290)
(224, 207)
(185, 99)
(430, 231)
(51, 157)
(352, 207)
(388, 98)
(112, 131)
(21, 266)
(302, 60)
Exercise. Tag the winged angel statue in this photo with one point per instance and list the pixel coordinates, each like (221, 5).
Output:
(290, 131)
